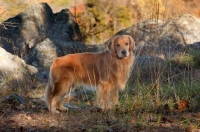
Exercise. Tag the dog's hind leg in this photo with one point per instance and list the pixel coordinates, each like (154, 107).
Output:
(60, 104)
(52, 106)
(61, 97)
(61, 88)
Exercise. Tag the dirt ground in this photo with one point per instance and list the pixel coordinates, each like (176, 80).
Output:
(34, 116)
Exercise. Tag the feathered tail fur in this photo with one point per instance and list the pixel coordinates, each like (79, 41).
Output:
(49, 90)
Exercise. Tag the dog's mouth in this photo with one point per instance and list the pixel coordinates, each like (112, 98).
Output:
(125, 55)
(122, 56)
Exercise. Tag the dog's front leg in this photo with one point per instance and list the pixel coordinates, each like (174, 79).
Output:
(114, 96)
(103, 95)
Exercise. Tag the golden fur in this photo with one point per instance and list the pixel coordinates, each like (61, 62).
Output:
(108, 71)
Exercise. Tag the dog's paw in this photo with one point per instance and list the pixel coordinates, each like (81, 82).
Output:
(55, 112)
(63, 108)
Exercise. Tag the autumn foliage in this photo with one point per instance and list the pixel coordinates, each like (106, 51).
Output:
(100, 19)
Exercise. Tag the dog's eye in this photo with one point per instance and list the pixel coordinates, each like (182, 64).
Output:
(126, 43)
(118, 45)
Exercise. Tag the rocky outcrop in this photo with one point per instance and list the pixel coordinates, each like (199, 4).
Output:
(22, 33)
(14, 71)
(165, 39)
(35, 37)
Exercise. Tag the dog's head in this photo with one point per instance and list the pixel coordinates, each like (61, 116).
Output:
(121, 46)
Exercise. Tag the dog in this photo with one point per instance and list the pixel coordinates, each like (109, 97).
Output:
(107, 70)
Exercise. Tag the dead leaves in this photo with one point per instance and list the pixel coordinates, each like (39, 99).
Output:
(181, 106)
(21, 117)
(166, 125)
(20, 107)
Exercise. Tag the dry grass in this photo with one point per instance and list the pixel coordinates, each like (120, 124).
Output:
(155, 107)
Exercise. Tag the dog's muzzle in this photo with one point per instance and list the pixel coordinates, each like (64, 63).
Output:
(124, 53)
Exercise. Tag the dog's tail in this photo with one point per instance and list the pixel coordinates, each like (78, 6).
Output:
(49, 90)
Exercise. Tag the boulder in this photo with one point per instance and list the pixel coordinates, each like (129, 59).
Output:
(14, 71)
(23, 32)
(147, 69)
(165, 39)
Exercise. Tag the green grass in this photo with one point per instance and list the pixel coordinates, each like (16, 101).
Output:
(151, 96)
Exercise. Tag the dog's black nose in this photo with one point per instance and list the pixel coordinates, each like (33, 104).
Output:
(124, 52)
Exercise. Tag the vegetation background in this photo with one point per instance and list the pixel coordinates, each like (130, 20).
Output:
(169, 106)
(100, 19)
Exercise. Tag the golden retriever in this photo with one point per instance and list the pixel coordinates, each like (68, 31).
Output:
(108, 71)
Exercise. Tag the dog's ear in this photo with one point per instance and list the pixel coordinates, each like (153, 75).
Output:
(131, 43)
(111, 45)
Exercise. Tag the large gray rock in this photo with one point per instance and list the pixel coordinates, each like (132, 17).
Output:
(23, 32)
(165, 39)
(14, 71)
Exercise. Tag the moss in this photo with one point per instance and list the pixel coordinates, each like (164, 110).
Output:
(184, 61)
(196, 57)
